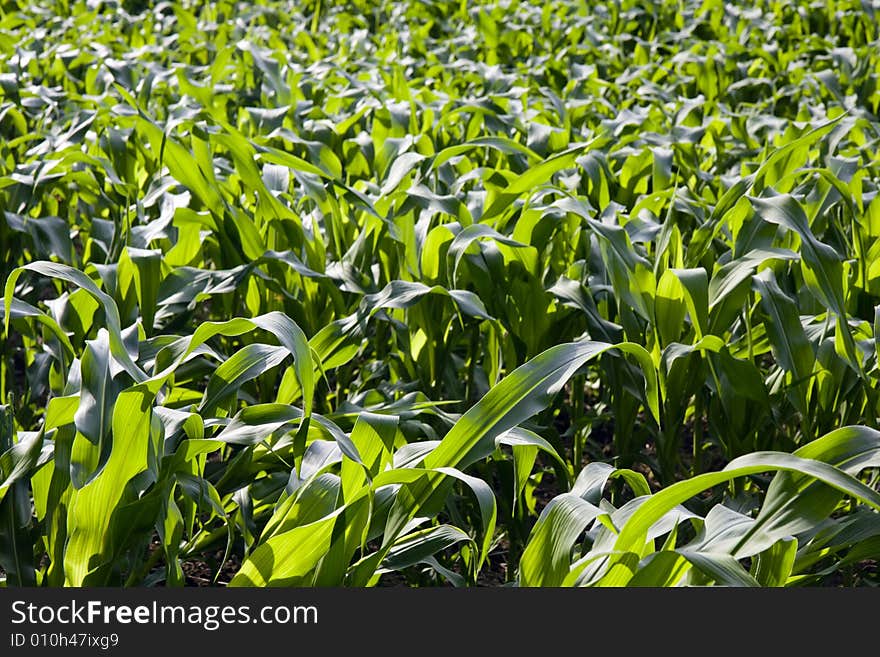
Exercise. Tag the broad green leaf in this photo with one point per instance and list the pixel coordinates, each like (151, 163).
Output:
(547, 557)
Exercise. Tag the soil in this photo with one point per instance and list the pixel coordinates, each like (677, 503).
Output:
(199, 573)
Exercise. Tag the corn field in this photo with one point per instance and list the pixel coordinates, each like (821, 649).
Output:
(398, 293)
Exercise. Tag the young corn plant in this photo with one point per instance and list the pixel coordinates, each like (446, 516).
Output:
(438, 293)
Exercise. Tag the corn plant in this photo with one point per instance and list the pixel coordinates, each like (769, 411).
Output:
(439, 293)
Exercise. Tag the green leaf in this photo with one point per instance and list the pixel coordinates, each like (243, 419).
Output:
(823, 267)
(16, 548)
(92, 506)
(246, 364)
(790, 345)
(547, 557)
(111, 313)
(523, 393)
(633, 532)
(417, 547)
(289, 558)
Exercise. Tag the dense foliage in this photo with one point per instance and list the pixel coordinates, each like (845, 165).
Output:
(548, 293)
